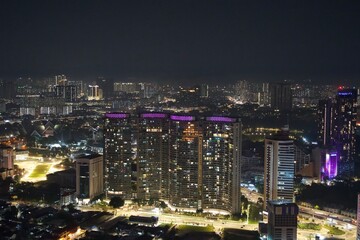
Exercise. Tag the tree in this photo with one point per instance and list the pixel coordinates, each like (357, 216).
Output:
(116, 202)
(245, 202)
(163, 205)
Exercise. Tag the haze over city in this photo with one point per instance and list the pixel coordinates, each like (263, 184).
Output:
(206, 41)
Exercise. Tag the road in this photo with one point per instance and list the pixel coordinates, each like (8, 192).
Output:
(313, 215)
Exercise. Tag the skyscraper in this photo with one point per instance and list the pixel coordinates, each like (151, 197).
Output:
(221, 164)
(152, 156)
(345, 127)
(89, 176)
(185, 162)
(118, 155)
(326, 122)
(279, 167)
(280, 95)
(282, 224)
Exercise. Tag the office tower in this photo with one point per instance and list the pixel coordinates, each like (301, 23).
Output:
(279, 167)
(118, 155)
(185, 162)
(281, 98)
(358, 218)
(221, 164)
(326, 122)
(282, 223)
(345, 127)
(94, 92)
(89, 176)
(152, 156)
(68, 92)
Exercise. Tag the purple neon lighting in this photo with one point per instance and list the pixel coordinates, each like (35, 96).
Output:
(330, 168)
(220, 119)
(153, 115)
(182, 118)
(116, 115)
(345, 93)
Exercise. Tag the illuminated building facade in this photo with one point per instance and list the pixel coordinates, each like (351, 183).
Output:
(118, 155)
(192, 162)
(329, 166)
(345, 128)
(326, 122)
(279, 167)
(152, 156)
(185, 162)
(89, 176)
(282, 223)
(221, 164)
(7, 157)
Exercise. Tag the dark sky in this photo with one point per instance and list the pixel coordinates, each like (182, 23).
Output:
(183, 40)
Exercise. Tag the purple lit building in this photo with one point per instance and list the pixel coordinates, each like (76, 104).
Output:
(329, 166)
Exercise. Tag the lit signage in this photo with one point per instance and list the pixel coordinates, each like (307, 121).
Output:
(345, 93)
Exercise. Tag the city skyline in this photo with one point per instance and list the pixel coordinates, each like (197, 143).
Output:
(182, 40)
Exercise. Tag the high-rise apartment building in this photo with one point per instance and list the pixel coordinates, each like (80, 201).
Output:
(152, 156)
(221, 164)
(7, 157)
(279, 167)
(280, 95)
(89, 176)
(119, 157)
(282, 223)
(185, 162)
(67, 92)
(192, 162)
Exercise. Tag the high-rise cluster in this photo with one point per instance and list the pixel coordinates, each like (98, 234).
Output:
(192, 162)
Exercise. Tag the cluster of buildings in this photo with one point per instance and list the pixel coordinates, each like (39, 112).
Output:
(282, 96)
(192, 162)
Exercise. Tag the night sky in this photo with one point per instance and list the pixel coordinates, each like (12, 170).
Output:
(187, 41)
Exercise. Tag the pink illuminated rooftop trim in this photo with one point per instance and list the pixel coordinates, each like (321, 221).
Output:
(221, 119)
(116, 115)
(153, 115)
(182, 118)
